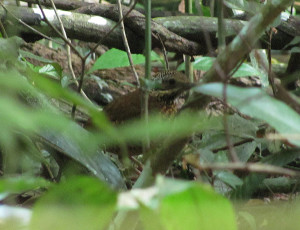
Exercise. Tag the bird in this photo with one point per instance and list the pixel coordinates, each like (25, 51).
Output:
(168, 86)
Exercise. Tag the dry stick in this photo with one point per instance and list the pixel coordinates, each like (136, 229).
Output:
(235, 144)
(28, 26)
(111, 30)
(164, 51)
(70, 45)
(56, 31)
(248, 167)
(125, 41)
(93, 50)
(83, 60)
(69, 55)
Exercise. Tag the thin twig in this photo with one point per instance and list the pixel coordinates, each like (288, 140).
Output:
(248, 167)
(94, 49)
(56, 31)
(83, 60)
(164, 51)
(125, 41)
(69, 54)
(148, 48)
(111, 30)
(235, 144)
(28, 26)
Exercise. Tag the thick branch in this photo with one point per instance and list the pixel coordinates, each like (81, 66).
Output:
(136, 22)
(83, 27)
(73, 5)
(78, 26)
(193, 27)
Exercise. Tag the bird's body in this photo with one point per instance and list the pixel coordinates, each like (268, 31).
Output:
(170, 85)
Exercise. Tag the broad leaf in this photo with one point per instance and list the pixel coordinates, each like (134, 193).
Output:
(207, 210)
(257, 103)
(80, 203)
(114, 58)
(205, 63)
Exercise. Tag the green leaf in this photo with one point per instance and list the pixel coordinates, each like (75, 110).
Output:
(257, 103)
(22, 184)
(53, 69)
(229, 178)
(80, 203)
(205, 63)
(206, 209)
(50, 126)
(33, 56)
(114, 58)
(246, 70)
(254, 180)
(9, 48)
(79, 145)
(245, 151)
(201, 63)
(176, 205)
(181, 126)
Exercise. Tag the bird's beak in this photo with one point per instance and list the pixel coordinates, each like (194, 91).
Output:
(186, 85)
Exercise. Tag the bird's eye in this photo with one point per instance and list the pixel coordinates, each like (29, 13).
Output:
(172, 81)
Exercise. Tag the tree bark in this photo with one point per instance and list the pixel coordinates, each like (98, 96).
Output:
(188, 31)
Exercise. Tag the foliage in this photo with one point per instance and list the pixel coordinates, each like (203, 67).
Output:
(44, 151)
(116, 58)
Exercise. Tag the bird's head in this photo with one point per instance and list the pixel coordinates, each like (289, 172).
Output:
(171, 84)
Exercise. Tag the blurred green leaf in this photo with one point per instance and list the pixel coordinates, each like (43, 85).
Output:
(80, 203)
(9, 49)
(206, 209)
(22, 184)
(159, 128)
(26, 110)
(82, 147)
